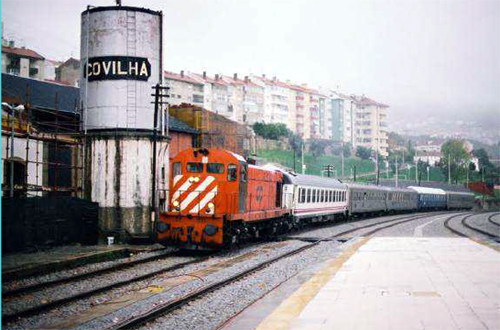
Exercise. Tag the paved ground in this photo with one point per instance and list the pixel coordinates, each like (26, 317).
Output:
(415, 276)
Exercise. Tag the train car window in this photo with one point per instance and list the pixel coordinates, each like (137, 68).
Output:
(215, 168)
(176, 169)
(303, 195)
(231, 172)
(322, 196)
(314, 196)
(331, 196)
(194, 167)
(309, 195)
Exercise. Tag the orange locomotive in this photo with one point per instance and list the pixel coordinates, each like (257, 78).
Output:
(217, 199)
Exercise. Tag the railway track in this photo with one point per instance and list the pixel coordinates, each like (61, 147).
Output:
(43, 285)
(174, 304)
(466, 224)
(490, 219)
(183, 300)
(82, 295)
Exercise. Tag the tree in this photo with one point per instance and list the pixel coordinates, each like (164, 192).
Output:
(347, 149)
(271, 131)
(454, 152)
(363, 153)
(317, 147)
(482, 156)
(411, 152)
(296, 143)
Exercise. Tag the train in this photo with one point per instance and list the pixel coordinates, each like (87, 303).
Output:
(218, 199)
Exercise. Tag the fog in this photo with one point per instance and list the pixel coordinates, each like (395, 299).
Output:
(419, 57)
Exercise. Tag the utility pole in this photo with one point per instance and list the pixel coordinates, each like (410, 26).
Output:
(396, 171)
(428, 176)
(303, 165)
(376, 161)
(416, 171)
(354, 173)
(467, 180)
(449, 168)
(342, 158)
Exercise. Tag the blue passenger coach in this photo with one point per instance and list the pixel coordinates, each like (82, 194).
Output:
(430, 198)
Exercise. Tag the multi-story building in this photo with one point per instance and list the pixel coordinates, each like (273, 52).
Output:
(69, 72)
(277, 99)
(301, 111)
(314, 115)
(343, 108)
(184, 89)
(22, 62)
(371, 124)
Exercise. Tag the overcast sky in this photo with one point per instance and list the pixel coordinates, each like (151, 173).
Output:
(420, 57)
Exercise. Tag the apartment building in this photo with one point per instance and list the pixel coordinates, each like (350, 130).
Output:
(371, 124)
(343, 108)
(184, 89)
(22, 62)
(314, 114)
(69, 72)
(277, 99)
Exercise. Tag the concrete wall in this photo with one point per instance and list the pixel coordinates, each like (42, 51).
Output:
(35, 154)
(119, 178)
(179, 142)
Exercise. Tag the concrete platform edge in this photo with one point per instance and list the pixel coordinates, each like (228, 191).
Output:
(289, 309)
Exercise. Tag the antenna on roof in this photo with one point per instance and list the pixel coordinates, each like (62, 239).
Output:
(118, 2)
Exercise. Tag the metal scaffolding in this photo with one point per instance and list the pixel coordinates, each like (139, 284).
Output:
(42, 150)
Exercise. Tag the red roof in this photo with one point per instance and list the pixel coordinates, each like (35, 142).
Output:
(23, 52)
(178, 77)
(240, 82)
(366, 101)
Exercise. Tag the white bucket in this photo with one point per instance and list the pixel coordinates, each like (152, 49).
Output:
(111, 240)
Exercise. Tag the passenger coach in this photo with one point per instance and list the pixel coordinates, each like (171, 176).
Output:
(316, 199)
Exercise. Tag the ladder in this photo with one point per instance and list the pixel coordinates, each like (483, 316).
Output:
(131, 84)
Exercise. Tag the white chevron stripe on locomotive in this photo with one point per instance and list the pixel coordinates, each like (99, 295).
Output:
(192, 195)
(201, 205)
(185, 186)
(177, 178)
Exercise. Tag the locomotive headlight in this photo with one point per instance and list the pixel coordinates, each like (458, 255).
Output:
(196, 179)
(175, 203)
(210, 208)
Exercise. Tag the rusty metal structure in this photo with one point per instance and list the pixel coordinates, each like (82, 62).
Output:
(215, 131)
(41, 144)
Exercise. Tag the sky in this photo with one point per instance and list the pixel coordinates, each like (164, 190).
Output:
(421, 57)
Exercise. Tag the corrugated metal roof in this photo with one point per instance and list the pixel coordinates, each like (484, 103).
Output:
(41, 94)
(178, 126)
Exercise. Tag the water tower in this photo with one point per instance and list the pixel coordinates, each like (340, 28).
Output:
(121, 56)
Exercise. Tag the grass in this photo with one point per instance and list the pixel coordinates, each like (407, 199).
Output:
(314, 165)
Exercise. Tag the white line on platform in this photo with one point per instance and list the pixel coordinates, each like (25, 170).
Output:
(418, 229)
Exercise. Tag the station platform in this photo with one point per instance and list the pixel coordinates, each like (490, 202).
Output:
(397, 283)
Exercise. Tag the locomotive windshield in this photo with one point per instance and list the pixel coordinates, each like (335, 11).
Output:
(194, 167)
(215, 168)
